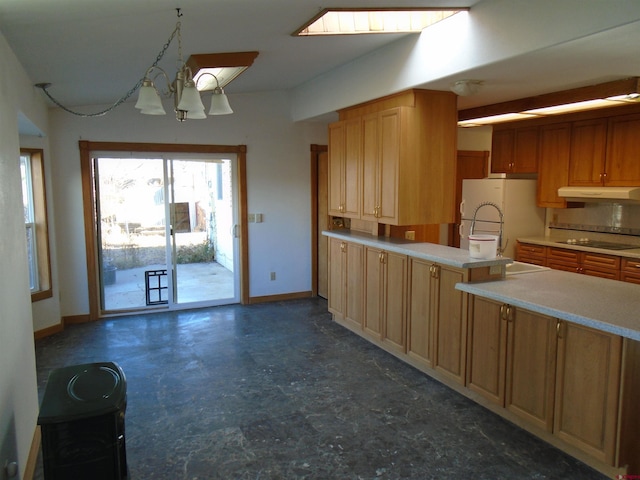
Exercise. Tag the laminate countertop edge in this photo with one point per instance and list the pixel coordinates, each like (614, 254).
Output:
(608, 305)
(451, 256)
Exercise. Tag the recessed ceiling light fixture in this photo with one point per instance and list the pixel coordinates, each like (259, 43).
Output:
(610, 94)
(355, 21)
(201, 72)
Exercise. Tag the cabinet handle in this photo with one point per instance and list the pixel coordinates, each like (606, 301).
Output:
(510, 313)
(559, 328)
(343, 247)
(502, 310)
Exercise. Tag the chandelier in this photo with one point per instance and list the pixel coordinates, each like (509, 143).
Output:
(186, 97)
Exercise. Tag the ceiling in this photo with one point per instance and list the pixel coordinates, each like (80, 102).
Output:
(93, 51)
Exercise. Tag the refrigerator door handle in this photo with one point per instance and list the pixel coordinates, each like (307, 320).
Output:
(460, 231)
(462, 207)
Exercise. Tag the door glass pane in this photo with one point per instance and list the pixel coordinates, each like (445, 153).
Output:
(202, 220)
(131, 231)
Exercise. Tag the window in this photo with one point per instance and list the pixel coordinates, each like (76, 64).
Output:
(35, 220)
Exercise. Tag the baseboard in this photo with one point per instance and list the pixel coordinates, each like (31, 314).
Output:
(32, 459)
(46, 332)
(279, 298)
(76, 319)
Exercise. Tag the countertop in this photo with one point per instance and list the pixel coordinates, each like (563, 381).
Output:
(451, 256)
(608, 305)
(552, 241)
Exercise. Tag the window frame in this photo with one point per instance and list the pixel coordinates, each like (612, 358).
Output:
(40, 224)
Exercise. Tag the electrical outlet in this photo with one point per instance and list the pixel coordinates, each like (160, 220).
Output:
(410, 235)
(251, 218)
(273, 276)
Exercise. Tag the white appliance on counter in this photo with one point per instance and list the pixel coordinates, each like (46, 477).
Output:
(516, 199)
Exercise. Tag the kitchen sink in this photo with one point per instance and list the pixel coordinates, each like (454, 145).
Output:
(516, 268)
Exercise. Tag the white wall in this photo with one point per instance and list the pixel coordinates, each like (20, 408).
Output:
(494, 31)
(18, 388)
(278, 184)
(46, 312)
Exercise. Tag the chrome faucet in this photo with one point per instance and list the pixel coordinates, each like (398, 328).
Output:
(501, 222)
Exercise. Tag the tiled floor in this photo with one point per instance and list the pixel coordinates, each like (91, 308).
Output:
(279, 391)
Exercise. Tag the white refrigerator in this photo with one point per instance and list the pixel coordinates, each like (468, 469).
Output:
(516, 198)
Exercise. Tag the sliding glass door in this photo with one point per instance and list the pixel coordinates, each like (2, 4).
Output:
(166, 236)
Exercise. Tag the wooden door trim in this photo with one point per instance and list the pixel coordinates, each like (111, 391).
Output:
(88, 194)
(316, 150)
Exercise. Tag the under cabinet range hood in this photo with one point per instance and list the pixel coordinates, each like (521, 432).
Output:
(603, 194)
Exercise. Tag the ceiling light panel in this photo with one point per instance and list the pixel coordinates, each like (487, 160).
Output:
(363, 21)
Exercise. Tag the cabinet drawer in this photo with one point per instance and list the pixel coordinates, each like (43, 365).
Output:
(630, 278)
(630, 265)
(564, 255)
(630, 270)
(597, 260)
(530, 251)
(564, 266)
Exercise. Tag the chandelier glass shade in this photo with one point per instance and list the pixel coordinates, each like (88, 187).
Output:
(187, 102)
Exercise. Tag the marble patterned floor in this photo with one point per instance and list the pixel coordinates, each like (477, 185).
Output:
(279, 391)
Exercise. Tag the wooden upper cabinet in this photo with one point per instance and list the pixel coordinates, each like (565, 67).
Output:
(408, 157)
(554, 150)
(345, 164)
(623, 151)
(515, 150)
(502, 150)
(588, 150)
(381, 157)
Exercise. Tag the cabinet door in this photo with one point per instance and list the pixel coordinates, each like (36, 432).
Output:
(420, 304)
(531, 367)
(623, 150)
(390, 123)
(450, 324)
(370, 166)
(336, 167)
(486, 355)
(394, 297)
(526, 150)
(587, 386)
(336, 281)
(352, 192)
(373, 286)
(588, 150)
(502, 144)
(554, 164)
(354, 287)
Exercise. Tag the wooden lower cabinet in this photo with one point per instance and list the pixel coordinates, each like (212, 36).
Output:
(587, 390)
(559, 377)
(419, 312)
(511, 359)
(487, 345)
(531, 366)
(385, 297)
(449, 319)
(630, 270)
(530, 253)
(573, 386)
(346, 282)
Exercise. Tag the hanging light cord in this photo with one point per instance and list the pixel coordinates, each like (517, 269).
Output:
(124, 98)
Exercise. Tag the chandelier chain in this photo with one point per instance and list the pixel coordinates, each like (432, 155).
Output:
(125, 97)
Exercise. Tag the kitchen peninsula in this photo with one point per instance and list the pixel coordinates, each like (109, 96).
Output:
(554, 352)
